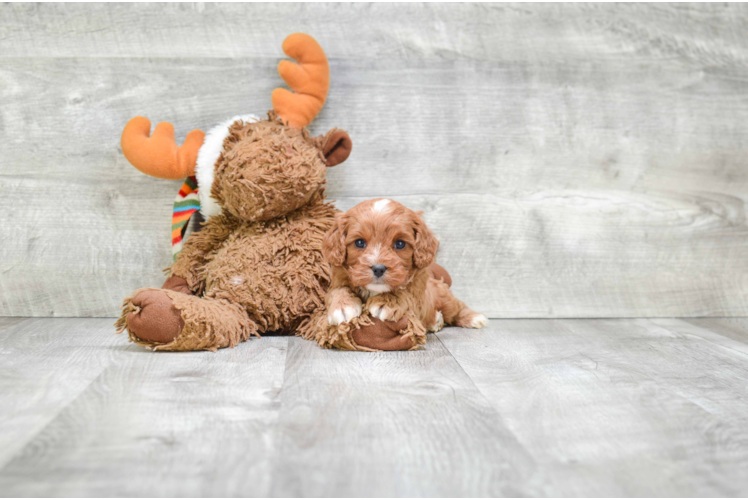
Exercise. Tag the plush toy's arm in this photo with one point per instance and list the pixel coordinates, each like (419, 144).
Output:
(197, 252)
(177, 284)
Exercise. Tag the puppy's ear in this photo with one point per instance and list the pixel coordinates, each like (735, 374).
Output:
(333, 245)
(336, 145)
(426, 243)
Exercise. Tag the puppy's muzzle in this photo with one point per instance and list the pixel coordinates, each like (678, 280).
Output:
(378, 270)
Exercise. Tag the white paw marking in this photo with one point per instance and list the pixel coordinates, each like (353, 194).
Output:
(383, 313)
(374, 311)
(478, 321)
(439, 323)
(343, 315)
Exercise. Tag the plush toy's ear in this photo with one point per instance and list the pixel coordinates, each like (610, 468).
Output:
(333, 245)
(337, 147)
(426, 243)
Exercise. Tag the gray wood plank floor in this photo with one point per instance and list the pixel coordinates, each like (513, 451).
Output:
(615, 407)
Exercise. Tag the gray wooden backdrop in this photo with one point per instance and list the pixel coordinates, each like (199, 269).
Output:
(575, 160)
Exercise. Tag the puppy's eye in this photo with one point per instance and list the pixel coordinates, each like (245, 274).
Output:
(360, 243)
(399, 245)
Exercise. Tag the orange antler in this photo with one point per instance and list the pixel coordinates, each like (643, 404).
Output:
(310, 80)
(159, 155)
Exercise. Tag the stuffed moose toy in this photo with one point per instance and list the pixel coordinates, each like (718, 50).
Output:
(256, 265)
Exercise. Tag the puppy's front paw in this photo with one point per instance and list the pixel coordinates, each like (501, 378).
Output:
(386, 308)
(385, 313)
(343, 314)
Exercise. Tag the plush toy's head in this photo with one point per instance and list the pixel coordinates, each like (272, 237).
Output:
(268, 168)
(253, 169)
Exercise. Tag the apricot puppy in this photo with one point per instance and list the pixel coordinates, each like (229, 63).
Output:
(380, 252)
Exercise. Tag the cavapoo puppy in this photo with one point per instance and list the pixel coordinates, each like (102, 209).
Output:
(380, 252)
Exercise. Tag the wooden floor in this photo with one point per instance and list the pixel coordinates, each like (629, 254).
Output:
(524, 407)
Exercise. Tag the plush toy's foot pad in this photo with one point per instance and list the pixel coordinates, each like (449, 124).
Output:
(155, 319)
(383, 335)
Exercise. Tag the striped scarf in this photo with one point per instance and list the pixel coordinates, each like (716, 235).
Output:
(185, 204)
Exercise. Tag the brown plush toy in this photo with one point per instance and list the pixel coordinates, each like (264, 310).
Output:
(256, 265)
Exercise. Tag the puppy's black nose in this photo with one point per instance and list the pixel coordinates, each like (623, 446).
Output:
(378, 270)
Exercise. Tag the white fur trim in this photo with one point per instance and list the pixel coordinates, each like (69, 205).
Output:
(206, 162)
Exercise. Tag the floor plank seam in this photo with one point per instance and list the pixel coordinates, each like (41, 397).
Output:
(484, 396)
(62, 409)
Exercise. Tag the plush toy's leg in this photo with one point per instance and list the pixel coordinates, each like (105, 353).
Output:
(173, 321)
(385, 336)
(151, 317)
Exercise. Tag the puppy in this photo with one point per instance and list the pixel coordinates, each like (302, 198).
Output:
(380, 252)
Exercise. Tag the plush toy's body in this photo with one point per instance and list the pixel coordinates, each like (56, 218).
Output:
(262, 252)
(239, 283)
(273, 269)
(256, 265)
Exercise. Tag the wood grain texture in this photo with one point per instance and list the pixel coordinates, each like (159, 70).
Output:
(735, 329)
(46, 364)
(616, 407)
(7, 323)
(183, 424)
(576, 160)
(390, 424)
(607, 408)
(549, 31)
